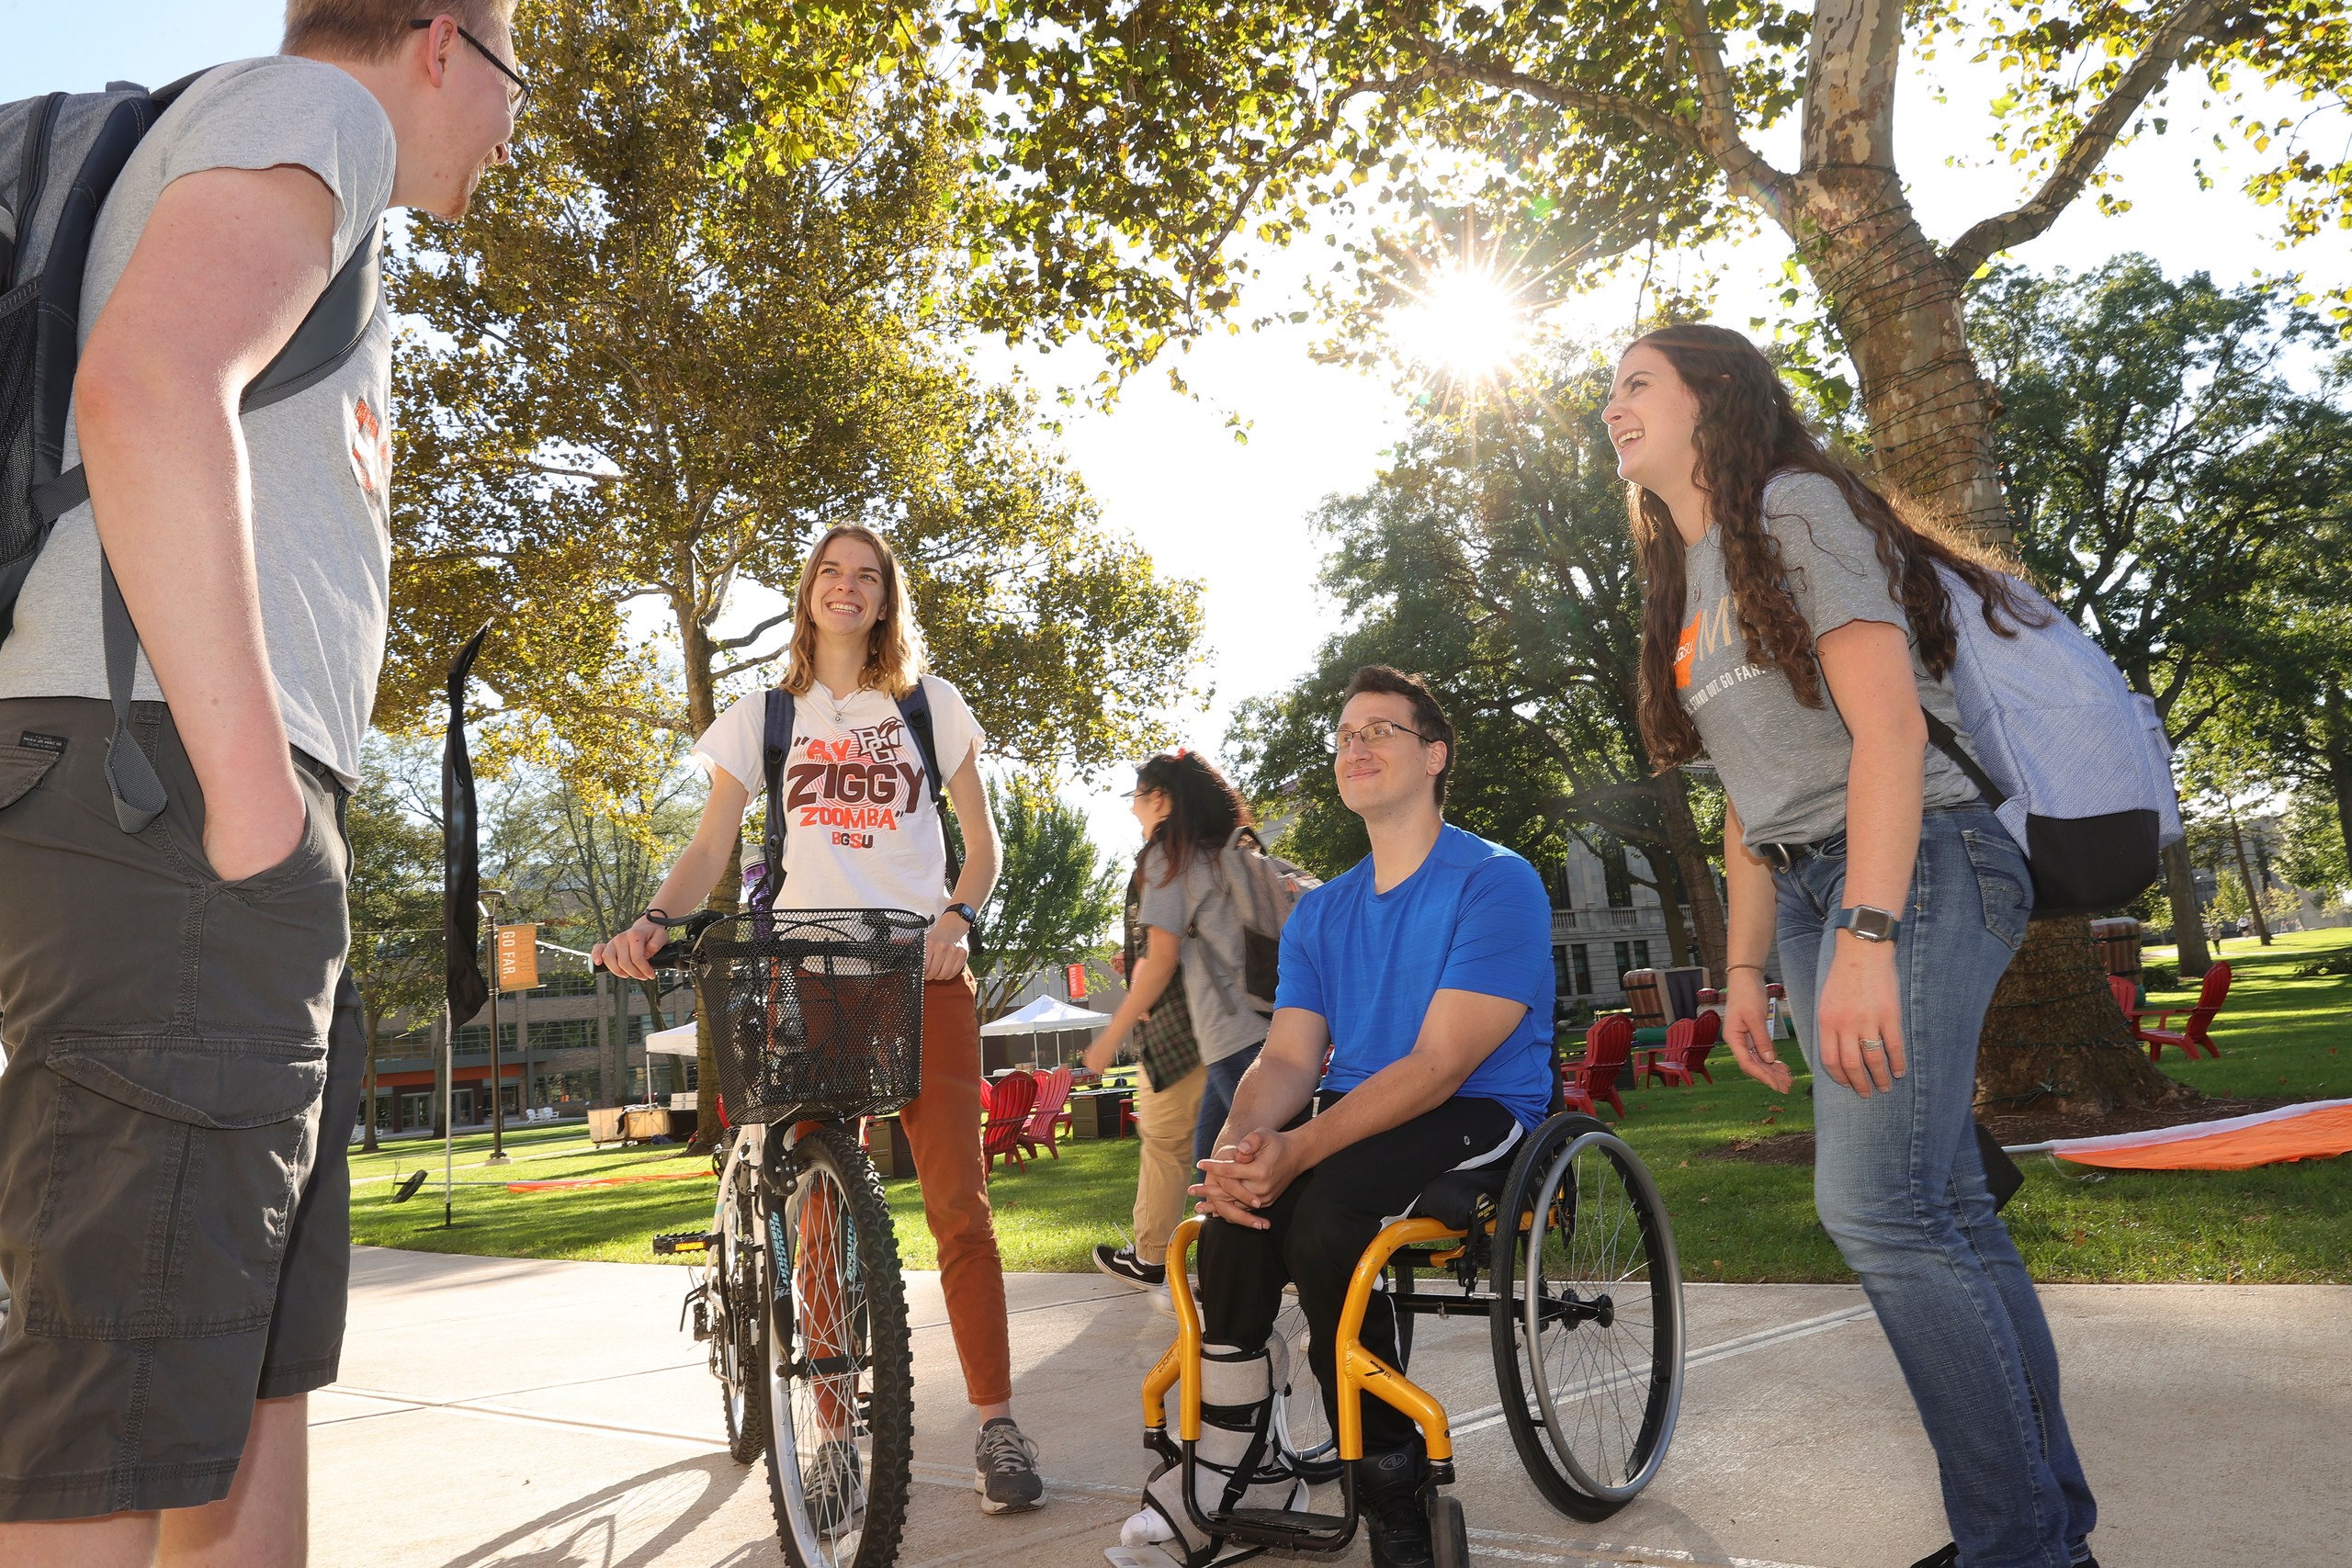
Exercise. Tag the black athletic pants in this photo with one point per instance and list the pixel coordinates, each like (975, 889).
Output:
(1321, 1224)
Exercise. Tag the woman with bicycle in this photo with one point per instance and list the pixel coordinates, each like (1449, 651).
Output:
(1796, 631)
(863, 832)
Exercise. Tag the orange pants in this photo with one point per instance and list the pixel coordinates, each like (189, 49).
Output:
(943, 1127)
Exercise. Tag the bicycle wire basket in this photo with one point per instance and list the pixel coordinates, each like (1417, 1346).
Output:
(815, 1014)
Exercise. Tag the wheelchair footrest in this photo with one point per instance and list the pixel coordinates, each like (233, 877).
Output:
(1296, 1522)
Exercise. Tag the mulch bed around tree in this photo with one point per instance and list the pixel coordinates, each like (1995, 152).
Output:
(2023, 1127)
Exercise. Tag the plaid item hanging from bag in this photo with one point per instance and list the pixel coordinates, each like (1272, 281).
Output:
(1163, 1041)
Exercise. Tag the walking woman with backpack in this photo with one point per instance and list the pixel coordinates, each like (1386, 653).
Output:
(865, 833)
(1798, 633)
(1155, 1021)
(1191, 927)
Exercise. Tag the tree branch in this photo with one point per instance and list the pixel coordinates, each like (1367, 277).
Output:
(2090, 145)
(752, 636)
(1751, 178)
(752, 663)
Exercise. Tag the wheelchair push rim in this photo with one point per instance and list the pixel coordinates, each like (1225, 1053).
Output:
(1588, 1319)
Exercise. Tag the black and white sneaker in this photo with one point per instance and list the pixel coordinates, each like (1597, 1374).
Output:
(1122, 1264)
(1004, 1469)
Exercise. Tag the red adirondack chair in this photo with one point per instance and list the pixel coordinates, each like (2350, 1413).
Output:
(2198, 1033)
(2127, 993)
(1683, 1058)
(1052, 1098)
(1008, 1101)
(1592, 1078)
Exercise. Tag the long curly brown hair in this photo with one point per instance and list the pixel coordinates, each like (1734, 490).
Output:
(1748, 430)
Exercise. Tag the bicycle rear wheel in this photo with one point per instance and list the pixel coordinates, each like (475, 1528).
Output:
(840, 1372)
(736, 1286)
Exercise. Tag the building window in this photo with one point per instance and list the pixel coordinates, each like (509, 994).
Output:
(476, 1036)
(560, 1033)
(565, 983)
(1580, 967)
(1625, 957)
(1640, 954)
(1613, 870)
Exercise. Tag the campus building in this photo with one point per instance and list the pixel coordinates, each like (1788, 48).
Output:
(1604, 923)
(575, 1041)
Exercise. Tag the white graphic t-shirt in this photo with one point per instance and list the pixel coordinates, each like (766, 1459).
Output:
(860, 831)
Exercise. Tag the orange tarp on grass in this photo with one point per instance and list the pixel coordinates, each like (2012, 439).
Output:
(2317, 1131)
(552, 1186)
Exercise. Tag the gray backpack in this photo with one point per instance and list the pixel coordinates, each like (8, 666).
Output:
(1266, 889)
(59, 154)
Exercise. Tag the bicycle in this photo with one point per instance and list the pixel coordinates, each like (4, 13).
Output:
(818, 1019)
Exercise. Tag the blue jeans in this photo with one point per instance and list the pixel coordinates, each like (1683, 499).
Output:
(1902, 1191)
(1216, 1099)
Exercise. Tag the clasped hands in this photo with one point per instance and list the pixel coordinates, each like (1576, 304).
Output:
(1247, 1175)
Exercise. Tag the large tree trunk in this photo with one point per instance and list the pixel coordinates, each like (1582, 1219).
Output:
(1698, 876)
(2187, 912)
(702, 707)
(2245, 880)
(2055, 1041)
(367, 1093)
(1667, 881)
(2055, 1035)
(2337, 718)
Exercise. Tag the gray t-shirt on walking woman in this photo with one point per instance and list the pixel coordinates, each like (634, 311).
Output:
(1198, 907)
(1783, 763)
(320, 461)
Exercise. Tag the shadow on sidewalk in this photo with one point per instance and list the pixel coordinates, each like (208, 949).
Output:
(626, 1524)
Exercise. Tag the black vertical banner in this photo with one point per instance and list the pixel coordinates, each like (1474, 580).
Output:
(461, 854)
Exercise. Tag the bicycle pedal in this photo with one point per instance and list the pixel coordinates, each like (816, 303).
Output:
(670, 1242)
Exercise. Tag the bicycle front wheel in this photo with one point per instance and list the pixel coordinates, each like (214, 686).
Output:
(839, 1370)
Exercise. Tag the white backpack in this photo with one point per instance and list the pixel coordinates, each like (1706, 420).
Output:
(2071, 759)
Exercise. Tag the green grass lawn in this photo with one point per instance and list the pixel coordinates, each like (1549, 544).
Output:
(2280, 1035)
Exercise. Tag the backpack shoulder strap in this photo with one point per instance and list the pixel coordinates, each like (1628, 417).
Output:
(1941, 736)
(914, 709)
(776, 738)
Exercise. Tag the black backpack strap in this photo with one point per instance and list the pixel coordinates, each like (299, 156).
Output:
(915, 709)
(1941, 736)
(775, 740)
(321, 342)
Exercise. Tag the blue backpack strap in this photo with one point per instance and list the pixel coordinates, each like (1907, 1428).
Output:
(915, 709)
(775, 740)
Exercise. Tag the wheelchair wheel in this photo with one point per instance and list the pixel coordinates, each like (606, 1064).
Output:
(1587, 1318)
(840, 1372)
(1299, 1423)
(1449, 1532)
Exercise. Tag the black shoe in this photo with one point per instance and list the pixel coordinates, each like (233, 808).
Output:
(1004, 1469)
(1122, 1264)
(834, 1487)
(1388, 1494)
(1949, 1557)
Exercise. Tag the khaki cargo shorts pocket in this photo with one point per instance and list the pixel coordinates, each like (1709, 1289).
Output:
(174, 1169)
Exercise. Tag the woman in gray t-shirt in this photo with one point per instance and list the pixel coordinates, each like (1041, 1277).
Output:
(1189, 915)
(1797, 631)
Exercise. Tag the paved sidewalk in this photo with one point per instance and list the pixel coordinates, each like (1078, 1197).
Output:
(497, 1411)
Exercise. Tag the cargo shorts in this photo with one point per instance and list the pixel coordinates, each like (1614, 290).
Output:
(184, 1061)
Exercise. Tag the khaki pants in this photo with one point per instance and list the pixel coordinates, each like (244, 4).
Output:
(1164, 1120)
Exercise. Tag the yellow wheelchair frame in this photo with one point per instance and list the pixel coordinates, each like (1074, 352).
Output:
(1549, 1177)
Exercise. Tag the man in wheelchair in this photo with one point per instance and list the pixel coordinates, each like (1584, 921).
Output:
(1425, 971)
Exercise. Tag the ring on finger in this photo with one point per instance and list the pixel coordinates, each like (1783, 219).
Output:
(1874, 1044)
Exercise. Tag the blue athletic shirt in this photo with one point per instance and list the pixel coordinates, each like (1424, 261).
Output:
(1471, 917)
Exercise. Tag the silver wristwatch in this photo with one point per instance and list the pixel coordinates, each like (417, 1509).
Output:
(1867, 922)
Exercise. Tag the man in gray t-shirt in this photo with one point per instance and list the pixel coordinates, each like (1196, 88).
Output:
(182, 1036)
(1784, 765)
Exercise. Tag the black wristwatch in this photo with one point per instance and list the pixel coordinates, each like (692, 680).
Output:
(971, 916)
(1867, 922)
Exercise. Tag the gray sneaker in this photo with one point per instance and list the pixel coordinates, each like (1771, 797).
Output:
(1004, 1469)
(834, 1487)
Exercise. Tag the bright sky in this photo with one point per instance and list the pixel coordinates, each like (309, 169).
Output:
(1168, 470)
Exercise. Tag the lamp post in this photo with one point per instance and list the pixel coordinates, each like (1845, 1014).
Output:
(497, 1106)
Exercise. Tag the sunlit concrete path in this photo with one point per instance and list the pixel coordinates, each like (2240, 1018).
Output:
(552, 1415)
